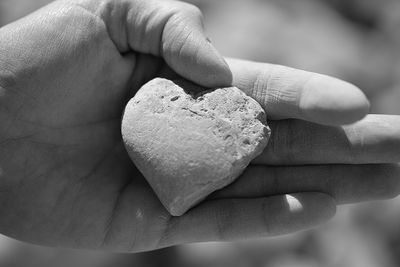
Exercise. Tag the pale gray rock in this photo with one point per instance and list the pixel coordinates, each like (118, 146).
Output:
(188, 142)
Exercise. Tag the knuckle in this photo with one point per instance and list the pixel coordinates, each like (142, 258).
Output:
(260, 88)
(277, 88)
(184, 23)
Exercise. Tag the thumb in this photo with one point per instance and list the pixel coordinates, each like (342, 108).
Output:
(188, 51)
(172, 30)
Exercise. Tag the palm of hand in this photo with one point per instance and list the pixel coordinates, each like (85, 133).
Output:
(75, 169)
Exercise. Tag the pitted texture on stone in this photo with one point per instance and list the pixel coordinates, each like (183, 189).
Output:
(189, 142)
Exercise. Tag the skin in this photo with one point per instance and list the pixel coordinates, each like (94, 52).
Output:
(67, 72)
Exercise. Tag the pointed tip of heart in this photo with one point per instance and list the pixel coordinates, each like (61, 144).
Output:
(176, 211)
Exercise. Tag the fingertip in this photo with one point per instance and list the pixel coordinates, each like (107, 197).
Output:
(211, 69)
(225, 77)
(331, 101)
(315, 208)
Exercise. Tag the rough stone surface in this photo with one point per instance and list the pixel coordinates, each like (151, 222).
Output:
(190, 142)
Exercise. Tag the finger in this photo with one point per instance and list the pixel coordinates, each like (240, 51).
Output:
(289, 93)
(345, 183)
(239, 219)
(171, 29)
(375, 139)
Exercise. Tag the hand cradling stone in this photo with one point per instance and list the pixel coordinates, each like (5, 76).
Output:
(188, 141)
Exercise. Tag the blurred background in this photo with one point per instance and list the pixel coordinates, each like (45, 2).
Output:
(356, 40)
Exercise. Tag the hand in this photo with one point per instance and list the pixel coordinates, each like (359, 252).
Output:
(351, 163)
(66, 74)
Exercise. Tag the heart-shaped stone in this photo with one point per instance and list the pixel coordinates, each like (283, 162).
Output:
(188, 142)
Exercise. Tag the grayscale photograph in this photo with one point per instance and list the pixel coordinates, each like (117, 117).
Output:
(199, 133)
